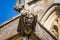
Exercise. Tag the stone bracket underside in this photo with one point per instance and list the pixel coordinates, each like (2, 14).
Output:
(32, 2)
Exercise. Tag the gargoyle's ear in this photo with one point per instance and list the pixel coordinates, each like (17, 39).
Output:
(21, 18)
(20, 23)
(35, 18)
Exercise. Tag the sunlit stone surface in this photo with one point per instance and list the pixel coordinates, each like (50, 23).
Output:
(48, 12)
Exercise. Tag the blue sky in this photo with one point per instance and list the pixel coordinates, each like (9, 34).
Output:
(6, 10)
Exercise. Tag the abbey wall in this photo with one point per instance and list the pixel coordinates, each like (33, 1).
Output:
(48, 12)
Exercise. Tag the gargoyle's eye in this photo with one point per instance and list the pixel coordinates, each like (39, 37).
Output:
(31, 17)
(27, 17)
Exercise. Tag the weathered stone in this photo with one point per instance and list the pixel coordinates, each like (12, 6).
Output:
(47, 14)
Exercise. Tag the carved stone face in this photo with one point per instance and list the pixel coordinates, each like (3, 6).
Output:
(29, 19)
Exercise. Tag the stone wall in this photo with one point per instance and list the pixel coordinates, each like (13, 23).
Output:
(9, 30)
(45, 17)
